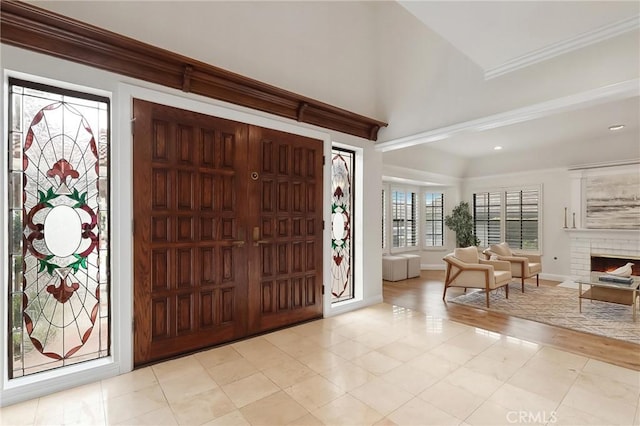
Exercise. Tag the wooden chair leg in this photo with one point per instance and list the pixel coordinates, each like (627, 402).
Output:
(523, 283)
(445, 291)
(487, 292)
(506, 291)
(537, 280)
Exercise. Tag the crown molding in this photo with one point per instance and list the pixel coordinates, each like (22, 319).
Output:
(600, 95)
(556, 49)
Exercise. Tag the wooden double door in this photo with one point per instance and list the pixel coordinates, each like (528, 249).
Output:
(227, 230)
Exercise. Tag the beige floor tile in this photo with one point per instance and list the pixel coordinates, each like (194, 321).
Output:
(234, 418)
(23, 413)
(420, 412)
(409, 379)
(451, 399)
(434, 365)
(610, 371)
(232, 371)
(276, 409)
(516, 398)
(308, 420)
(492, 414)
(282, 338)
(501, 369)
(552, 382)
(453, 353)
(512, 350)
(347, 410)
(185, 387)
(134, 404)
(261, 353)
(609, 388)
(565, 359)
(250, 389)
(479, 384)
(378, 338)
(569, 416)
(288, 374)
(202, 407)
(376, 363)
(400, 351)
(322, 361)
(217, 356)
(160, 417)
(611, 410)
(348, 376)
(176, 368)
(69, 405)
(327, 338)
(385, 422)
(129, 382)
(474, 341)
(314, 392)
(349, 349)
(301, 347)
(381, 395)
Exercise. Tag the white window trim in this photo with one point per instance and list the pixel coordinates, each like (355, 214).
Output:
(424, 216)
(419, 215)
(503, 225)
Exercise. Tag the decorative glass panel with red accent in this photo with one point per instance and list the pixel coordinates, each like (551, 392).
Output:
(58, 214)
(342, 174)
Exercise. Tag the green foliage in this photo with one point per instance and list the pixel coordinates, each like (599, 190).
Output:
(461, 222)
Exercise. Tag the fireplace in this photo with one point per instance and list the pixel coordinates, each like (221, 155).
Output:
(609, 262)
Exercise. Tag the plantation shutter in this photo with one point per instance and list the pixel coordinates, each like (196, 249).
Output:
(522, 219)
(487, 217)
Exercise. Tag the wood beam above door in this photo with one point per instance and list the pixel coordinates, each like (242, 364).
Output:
(30, 27)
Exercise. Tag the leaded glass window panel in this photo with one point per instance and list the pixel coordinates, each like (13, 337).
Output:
(58, 227)
(342, 209)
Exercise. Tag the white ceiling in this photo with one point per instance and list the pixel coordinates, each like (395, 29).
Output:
(493, 34)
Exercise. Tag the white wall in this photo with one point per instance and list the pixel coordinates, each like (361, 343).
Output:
(17, 61)
(323, 50)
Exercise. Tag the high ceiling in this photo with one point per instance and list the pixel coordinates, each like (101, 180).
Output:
(503, 37)
(496, 33)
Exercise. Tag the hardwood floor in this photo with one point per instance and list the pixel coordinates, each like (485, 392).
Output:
(424, 294)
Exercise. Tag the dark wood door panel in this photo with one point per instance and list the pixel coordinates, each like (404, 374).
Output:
(228, 230)
(285, 201)
(190, 207)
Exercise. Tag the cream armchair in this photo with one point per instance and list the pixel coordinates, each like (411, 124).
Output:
(522, 265)
(465, 269)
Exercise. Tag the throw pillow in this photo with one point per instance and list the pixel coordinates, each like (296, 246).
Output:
(467, 254)
(501, 249)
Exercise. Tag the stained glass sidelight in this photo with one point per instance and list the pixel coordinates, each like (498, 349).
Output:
(342, 173)
(58, 227)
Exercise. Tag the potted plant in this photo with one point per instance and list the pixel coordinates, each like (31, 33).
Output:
(461, 222)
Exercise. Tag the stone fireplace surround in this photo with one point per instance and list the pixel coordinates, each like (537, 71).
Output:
(598, 242)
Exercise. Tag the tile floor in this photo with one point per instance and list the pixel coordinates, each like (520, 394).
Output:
(382, 365)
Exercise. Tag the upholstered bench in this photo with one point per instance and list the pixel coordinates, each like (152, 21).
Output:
(413, 264)
(394, 268)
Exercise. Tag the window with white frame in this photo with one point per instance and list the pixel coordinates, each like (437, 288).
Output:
(512, 215)
(433, 219)
(404, 218)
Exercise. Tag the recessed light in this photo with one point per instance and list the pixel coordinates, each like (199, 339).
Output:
(497, 148)
(616, 127)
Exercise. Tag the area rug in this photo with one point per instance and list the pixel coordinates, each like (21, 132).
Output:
(558, 306)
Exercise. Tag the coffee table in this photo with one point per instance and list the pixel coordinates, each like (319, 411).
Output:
(605, 291)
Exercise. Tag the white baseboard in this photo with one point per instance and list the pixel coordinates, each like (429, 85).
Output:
(554, 277)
